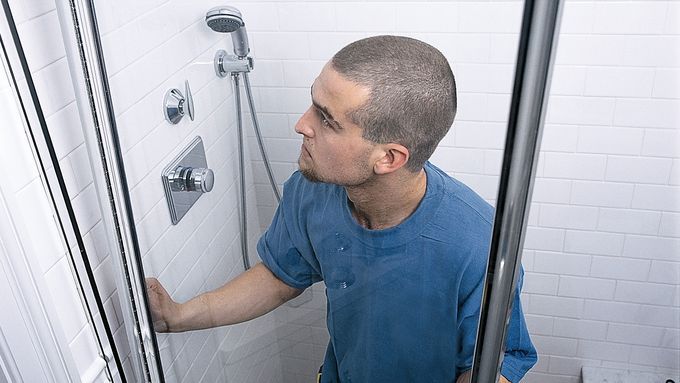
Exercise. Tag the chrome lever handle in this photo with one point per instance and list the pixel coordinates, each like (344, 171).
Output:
(189, 103)
(176, 105)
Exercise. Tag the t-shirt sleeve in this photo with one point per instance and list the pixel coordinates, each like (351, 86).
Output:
(280, 254)
(520, 354)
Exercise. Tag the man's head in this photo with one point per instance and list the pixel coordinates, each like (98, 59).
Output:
(413, 92)
(397, 98)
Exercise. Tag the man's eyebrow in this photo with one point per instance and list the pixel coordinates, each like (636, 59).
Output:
(320, 107)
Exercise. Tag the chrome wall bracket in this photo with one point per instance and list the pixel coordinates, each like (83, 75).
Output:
(226, 64)
(186, 178)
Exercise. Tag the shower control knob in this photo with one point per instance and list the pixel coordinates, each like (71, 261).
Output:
(202, 180)
(191, 179)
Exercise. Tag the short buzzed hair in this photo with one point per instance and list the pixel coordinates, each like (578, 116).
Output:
(412, 98)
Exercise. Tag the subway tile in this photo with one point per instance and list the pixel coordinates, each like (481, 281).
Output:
(590, 50)
(66, 298)
(611, 311)
(552, 345)
(674, 179)
(40, 51)
(298, 17)
(540, 238)
(638, 169)
(483, 78)
(666, 83)
(485, 135)
(594, 139)
(53, 84)
(670, 225)
(620, 268)
(672, 25)
(628, 221)
(603, 350)
(593, 242)
(459, 159)
(284, 100)
(364, 17)
(440, 17)
(569, 366)
(536, 283)
(84, 350)
(568, 216)
(577, 18)
(556, 306)
(301, 73)
(269, 73)
(651, 51)
(575, 166)
(647, 113)
(592, 288)
(580, 110)
(490, 17)
(485, 186)
(633, 334)
(539, 324)
(559, 138)
(654, 356)
(503, 48)
(629, 18)
(568, 80)
(656, 197)
(493, 160)
(26, 10)
(498, 108)
(651, 247)
(323, 45)
(562, 263)
(663, 316)
(580, 329)
(551, 190)
(471, 107)
(605, 194)
(661, 143)
(665, 272)
(644, 292)
(619, 82)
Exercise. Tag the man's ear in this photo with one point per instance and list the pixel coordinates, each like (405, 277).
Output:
(394, 157)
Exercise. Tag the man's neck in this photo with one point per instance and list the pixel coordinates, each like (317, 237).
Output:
(388, 201)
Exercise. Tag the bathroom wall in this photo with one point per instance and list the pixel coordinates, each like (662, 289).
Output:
(602, 247)
(602, 253)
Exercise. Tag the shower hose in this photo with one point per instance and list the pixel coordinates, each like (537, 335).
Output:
(241, 160)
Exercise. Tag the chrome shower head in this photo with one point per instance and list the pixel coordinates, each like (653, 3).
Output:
(226, 19)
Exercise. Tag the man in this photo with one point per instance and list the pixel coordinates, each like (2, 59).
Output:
(401, 247)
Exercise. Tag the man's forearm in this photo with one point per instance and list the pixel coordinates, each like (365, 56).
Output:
(250, 295)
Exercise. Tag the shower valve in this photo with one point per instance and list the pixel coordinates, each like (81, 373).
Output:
(191, 179)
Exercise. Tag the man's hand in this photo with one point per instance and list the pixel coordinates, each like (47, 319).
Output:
(163, 308)
(465, 378)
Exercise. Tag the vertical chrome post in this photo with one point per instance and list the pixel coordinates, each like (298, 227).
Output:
(540, 26)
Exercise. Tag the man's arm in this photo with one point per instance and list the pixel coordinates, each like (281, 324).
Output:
(248, 296)
(465, 378)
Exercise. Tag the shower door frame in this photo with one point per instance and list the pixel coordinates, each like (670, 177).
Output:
(85, 55)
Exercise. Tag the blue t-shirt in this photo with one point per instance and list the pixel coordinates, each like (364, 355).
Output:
(403, 303)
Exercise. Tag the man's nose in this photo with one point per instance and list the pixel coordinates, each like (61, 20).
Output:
(303, 125)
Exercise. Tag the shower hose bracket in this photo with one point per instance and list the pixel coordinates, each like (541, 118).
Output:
(226, 64)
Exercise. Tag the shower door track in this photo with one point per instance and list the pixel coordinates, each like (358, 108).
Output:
(96, 108)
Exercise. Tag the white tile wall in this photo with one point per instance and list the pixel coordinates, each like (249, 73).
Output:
(604, 224)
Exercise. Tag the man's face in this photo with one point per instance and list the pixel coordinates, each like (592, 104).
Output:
(333, 148)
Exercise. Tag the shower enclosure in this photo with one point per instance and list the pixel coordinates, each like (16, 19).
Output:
(601, 285)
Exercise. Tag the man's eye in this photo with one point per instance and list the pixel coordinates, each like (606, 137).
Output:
(325, 122)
